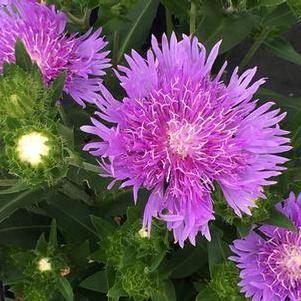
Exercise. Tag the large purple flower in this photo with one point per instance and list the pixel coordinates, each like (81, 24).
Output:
(179, 130)
(41, 28)
(271, 267)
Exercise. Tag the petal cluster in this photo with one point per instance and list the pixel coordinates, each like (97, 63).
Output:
(41, 29)
(271, 263)
(179, 130)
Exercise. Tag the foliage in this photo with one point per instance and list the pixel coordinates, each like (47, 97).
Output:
(95, 241)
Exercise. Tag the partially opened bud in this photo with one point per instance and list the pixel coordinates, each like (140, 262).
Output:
(35, 154)
(44, 265)
(32, 147)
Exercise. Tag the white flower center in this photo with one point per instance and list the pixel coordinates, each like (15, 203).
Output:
(31, 147)
(44, 265)
(292, 262)
(143, 233)
(181, 137)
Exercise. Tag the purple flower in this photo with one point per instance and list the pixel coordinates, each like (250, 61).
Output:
(271, 267)
(179, 130)
(41, 28)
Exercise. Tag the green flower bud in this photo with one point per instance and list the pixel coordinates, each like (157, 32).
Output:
(35, 154)
(23, 98)
(44, 265)
(138, 283)
(225, 279)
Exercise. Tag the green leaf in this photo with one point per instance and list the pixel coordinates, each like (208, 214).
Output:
(103, 228)
(284, 49)
(57, 86)
(141, 16)
(184, 262)
(23, 229)
(65, 289)
(22, 57)
(218, 249)
(18, 187)
(295, 6)
(10, 203)
(179, 8)
(72, 217)
(42, 245)
(132, 32)
(271, 2)
(98, 282)
(68, 134)
(207, 294)
(280, 220)
(282, 16)
(53, 234)
(166, 292)
(243, 230)
(116, 291)
(288, 103)
(216, 26)
(75, 192)
(8, 182)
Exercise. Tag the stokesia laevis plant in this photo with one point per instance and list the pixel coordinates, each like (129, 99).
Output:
(271, 263)
(41, 29)
(179, 130)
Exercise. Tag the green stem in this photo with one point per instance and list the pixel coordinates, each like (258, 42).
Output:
(169, 25)
(85, 165)
(256, 45)
(115, 53)
(192, 18)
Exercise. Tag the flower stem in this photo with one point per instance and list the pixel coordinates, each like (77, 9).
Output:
(256, 45)
(192, 18)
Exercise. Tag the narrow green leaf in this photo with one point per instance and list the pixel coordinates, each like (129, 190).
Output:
(132, 31)
(103, 228)
(53, 234)
(23, 229)
(179, 8)
(166, 292)
(284, 49)
(71, 216)
(42, 245)
(243, 230)
(97, 282)
(116, 292)
(285, 102)
(208, 294)
(8, 182)
(218, 249)
(65, 289)
(57, 86)
(67, 134)
(76, 192)
(271, 2)
(18, 187)
(141, 17)
(295, 6)
(22, 57)
(282, 16)
(218, 26)
(280, 220)
(187, 261)
(10, 203)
